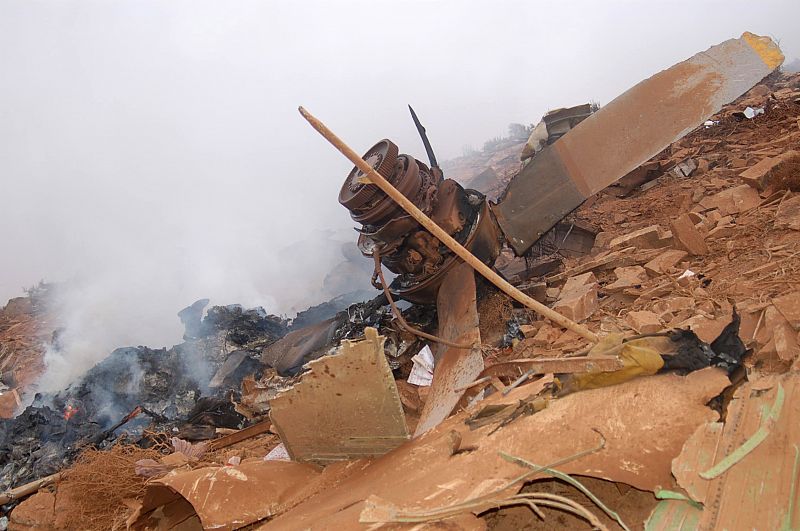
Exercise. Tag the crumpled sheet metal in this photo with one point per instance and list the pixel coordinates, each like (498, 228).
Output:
(289, 353)
(645, 422)
(644, 120)
(222, 498)
(762, 490)
(347, 406)
(458, 322)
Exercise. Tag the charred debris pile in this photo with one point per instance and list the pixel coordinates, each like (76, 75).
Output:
(172, 390)
(634, 364)
(192, 391)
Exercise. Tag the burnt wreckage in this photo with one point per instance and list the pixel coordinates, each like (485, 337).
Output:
(402, 244)
(167, 385)
(184, 391)
(584, 160)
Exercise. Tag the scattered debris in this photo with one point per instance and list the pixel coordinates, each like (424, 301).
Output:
(687, 295)
(227, 497)
(651, 237)
(685, 168)
(664, 262)
(761, 174)
(733, 200)
(748, 113)
(554, 125)
(422, 370)
(578, 298)
(644, 322)
(744, 471)
(435, 476)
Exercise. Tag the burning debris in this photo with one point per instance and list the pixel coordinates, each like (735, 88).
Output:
(673, 312)
(168, 389)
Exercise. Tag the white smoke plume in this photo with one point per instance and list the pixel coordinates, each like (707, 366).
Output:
(151, 153)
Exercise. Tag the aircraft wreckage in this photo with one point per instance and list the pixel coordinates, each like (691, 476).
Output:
(588, 158)
(433, 233)
(430, 230)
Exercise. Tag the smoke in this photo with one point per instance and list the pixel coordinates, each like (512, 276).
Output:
(135, 301)
(151, 153)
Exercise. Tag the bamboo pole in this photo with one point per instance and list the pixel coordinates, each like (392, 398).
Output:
(28, 488)
(445, 238)
(241, 435)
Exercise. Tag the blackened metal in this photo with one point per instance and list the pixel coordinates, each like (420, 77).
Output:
(424, 136)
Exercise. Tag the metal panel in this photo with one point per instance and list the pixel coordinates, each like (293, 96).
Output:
(346, 407)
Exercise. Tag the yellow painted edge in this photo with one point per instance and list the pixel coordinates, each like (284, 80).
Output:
(767, 50)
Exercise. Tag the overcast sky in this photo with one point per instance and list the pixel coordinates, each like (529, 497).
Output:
(152, 154)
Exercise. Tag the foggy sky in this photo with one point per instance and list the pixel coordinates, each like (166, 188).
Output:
(151, 152)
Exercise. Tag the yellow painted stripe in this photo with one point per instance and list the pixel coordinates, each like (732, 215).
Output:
(765, 48)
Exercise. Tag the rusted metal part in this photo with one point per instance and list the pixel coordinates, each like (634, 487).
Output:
(449, 241)
(424, 136)
(455, 367)
(484, 241)
(627, 132)
(371, 207)
(560, 121)
(398, 315)
(346, 407)
(406, 248)
(536, 199)
(452, 208)
(554, 125)
(409, 178)
(355, 193)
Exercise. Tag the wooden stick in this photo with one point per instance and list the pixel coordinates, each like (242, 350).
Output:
(27, 489)
(241, 435)
(443, 237)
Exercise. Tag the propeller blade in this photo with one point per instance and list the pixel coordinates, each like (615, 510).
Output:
(627, 132)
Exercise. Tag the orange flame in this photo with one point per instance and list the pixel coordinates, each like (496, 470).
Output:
(69, 411)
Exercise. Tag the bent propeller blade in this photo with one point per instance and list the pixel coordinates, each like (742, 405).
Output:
(628, 132)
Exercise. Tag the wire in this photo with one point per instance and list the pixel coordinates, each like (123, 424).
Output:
(399, 316)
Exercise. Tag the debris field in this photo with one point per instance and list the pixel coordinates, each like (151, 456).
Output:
(635, 367)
